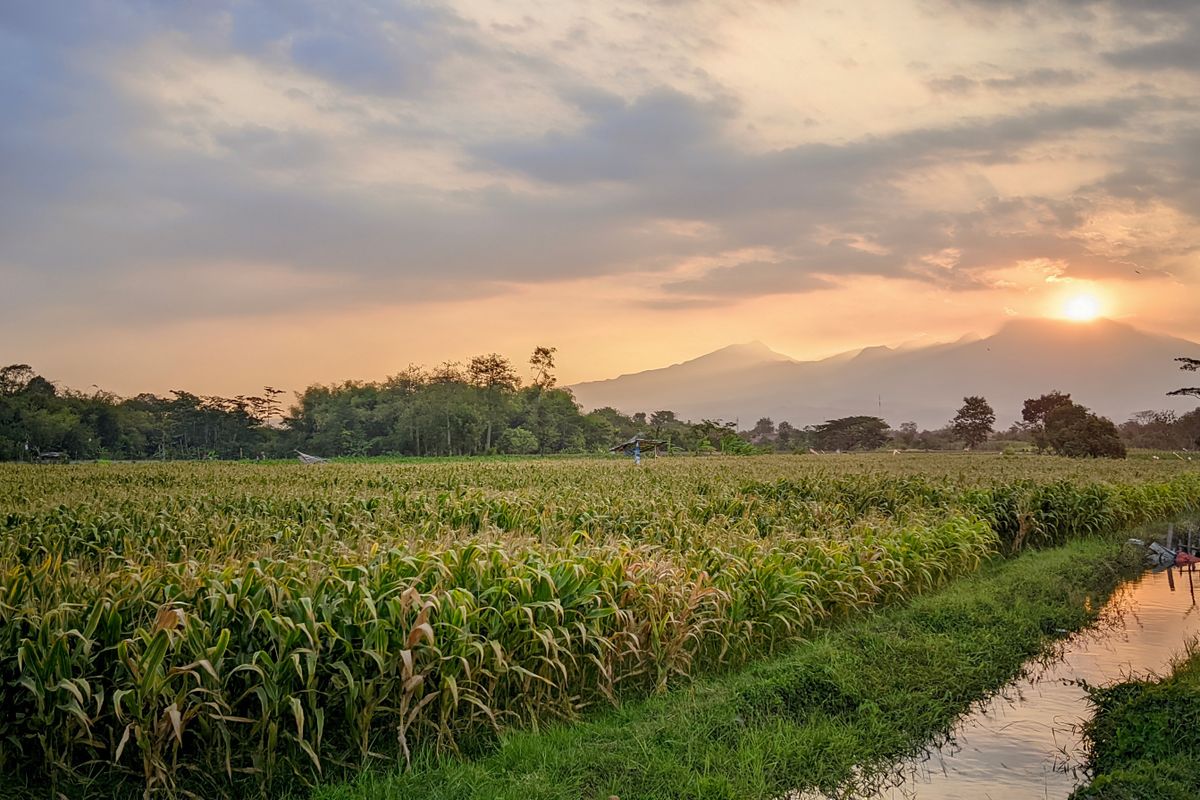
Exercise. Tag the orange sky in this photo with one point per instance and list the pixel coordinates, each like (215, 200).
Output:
(230, 196)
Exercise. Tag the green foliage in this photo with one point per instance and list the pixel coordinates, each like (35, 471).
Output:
(518, 441)
(1072, 430)
(850, 433)
(1162, 430)
(37, 417)
(212, 627)
(1035, 411)
(833, 713)
(444, 411)
(1142, 738)
(732, 444)
(973, 422)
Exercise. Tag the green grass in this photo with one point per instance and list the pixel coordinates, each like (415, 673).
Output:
(863, 694)
(1145, 738)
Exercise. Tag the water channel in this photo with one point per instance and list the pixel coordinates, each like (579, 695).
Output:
(1024, 743)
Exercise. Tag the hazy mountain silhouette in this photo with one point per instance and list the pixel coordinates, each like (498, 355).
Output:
(1114, 368)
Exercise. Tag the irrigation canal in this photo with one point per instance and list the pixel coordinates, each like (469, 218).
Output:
(1024, 742)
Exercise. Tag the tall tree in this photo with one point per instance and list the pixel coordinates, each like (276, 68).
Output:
(542, 363)
(271, 404)
(785, 434)
(495, 375)
(1035, 411)
(974, 420)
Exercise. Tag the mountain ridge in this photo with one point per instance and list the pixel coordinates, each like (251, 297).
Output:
(1110, 366)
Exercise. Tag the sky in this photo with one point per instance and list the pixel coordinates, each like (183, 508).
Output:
(224, 195)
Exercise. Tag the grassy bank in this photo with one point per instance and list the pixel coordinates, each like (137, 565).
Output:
(1145, 738)
(864, 693)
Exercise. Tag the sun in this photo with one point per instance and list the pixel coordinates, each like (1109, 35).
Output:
(1082, 308)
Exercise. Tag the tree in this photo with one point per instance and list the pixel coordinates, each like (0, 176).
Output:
(518, 441)
(542, 363)
(707, 434)
(973, 422)
(785, 435)
(906, 434)
(661, 419)
(1189, 365)
(1162, 430)
(444, 410)
(493, 371)
(1035, 411)
(271, 403)
(1073, 430)
(763, 431)
(938, 439)
(732, 444)
(850, 433)
(495, 375)
(14, 378)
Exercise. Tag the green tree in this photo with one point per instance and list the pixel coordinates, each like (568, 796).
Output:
(906, 435)
(1162, 430)
(1073, 430)
(707, 434)
(1035, 411)
(495, 375)
(518, 441)
(974, 420)
(542, 363)
(14, 378)
(850, 433)
(763, 431)
(786, 436)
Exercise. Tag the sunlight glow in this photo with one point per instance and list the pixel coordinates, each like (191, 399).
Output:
(1082, 308)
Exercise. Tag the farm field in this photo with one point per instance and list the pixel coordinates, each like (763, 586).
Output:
(219, 628)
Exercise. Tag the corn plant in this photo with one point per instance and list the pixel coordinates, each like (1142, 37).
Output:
(201, 629)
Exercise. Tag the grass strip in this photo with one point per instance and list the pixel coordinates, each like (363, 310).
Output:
(1143, 741)
(847, 703)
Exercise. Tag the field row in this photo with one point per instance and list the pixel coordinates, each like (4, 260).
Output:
(200, 625)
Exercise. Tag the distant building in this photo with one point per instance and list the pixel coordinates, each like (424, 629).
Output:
(640, 445)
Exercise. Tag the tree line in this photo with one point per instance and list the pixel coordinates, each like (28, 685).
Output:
(483, 406)
(1052, 422)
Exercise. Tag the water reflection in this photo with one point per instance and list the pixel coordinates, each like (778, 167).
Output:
(1025, 742)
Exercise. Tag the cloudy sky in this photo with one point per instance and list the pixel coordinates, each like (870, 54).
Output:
(222, 195)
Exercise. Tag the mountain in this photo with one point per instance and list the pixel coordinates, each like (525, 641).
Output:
(1111, 367)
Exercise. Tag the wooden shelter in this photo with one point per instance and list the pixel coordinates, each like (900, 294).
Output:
(642, 445)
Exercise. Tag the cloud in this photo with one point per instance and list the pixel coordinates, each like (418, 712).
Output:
(1040, 78)
(234, 159)
(754, 279)
(1181, 52)
(661, 131)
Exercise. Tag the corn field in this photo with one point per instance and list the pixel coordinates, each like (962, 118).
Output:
(215, 629)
